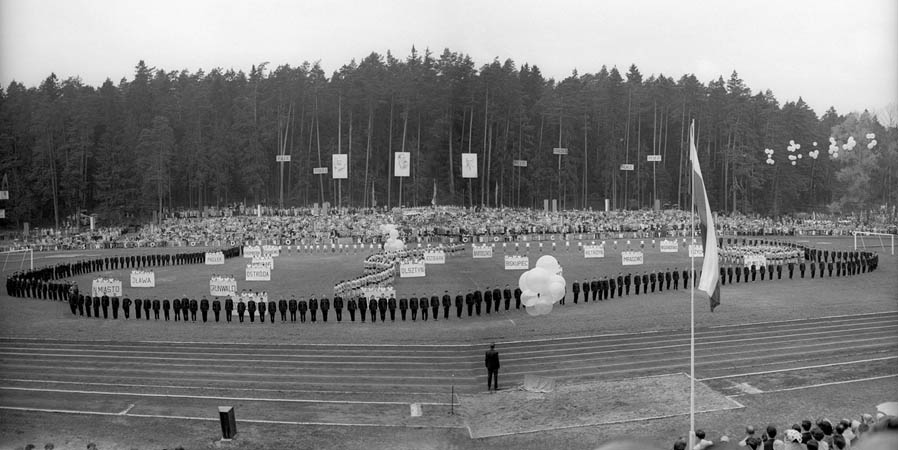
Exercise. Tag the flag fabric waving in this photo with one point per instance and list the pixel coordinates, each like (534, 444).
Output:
(710, 279)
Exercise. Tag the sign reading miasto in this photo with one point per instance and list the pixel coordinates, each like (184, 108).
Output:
(106, 286)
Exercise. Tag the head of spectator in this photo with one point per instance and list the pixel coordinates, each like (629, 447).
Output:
(812, 445)
(839, 442)
(753, 443)
(817, 434)
(826, 426)
(771, 431)
(680, 444)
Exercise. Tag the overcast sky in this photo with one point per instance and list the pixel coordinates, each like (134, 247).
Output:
(830, 52)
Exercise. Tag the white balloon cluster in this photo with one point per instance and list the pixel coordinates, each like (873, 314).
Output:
(833, 148)
(769, 152)
(542, 286)
(872, 142)
(871, 136)
(393, 243)
(813, 154)
(850, 144)
(792, 147)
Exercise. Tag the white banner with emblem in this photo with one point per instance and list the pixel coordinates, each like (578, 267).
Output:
(271, 250)
(482, 251)
(631, 258)
(754, 260)
(106, 286)
(214, 258)
(696, 251)
(266, 261)
(593, 251)
(222, 287)
(435, 257)
(412, 270)
(251, 251)
(256, 272)
(143, 279)
(517, 262)
(669, 246)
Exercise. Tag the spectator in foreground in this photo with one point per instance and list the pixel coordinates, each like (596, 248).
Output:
(701, 442)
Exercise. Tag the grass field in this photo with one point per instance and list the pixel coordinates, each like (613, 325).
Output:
(306, 274)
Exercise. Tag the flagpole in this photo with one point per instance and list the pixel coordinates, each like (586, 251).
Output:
(692, 300)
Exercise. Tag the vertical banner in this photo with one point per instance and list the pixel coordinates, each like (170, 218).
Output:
(340, 166)
(402, 167)
(469, 165)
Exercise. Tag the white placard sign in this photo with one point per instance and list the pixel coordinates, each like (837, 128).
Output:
(222, 287)
(319, 171)
(754, 260)
(631, 258)
(653, 158)
(559, 151)
(435, 257)
(593, 251)
(469, 165)
(214, 258)
(106, 286)
(282, 158)
(626, 167)
(517, 263)
(696, 251)
(669, 246)
(271, 250)
(340, 165)
(143, 279)
(257, 273)
(4, 195)
(402, 164)
(482, 251)
(412, 270)
(252, 251)
(265, 261)
(519, 163)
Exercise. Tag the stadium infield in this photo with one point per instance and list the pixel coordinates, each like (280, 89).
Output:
(136, 375)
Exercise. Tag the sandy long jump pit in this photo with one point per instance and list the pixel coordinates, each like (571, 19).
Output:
(517, 411)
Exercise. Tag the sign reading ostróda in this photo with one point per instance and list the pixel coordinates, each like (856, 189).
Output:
(106, 286)
(435, 257)
(631, 258)
(482, 251)
(257, 273)
(696, 251)
(412, 270)
(222, 287)
(214, 258)
(266, 261)
(252, 251)
(517, 263)
(593, 251)
(143, 279)
(669, 246)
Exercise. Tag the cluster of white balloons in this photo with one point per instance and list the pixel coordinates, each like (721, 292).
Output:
(791, 148)
(833, 148)
(769, 152)
(393, 243)
(872, 138)
(542, 286)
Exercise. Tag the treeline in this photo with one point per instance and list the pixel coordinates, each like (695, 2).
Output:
(165, 140)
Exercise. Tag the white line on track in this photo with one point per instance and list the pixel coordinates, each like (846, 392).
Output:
(215, 397)
(125, 411)
(812, 386)
(767, 372)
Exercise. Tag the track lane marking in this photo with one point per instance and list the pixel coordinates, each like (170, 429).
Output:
(767, 372)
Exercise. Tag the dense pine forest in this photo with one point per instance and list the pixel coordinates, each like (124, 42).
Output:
(165, 140)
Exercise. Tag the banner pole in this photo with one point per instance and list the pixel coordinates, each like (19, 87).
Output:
(692, 304)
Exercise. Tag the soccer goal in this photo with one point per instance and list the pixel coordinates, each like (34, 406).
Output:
(870, 240)
(12, 259)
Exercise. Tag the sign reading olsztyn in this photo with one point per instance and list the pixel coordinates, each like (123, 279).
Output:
(696, 251)
(482, 251)
(143, 279)
(631, 258)
(435, 257)
(251, 251)
(257, 273)
(517, 263)
(593, 251)
(106, 286)
(412, 270)
(214, 258)
(222, 287)
(669, 246)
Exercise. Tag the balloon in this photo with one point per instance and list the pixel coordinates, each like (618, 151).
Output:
(799, 156)
(815, 143)
(556, 289)
(549, 263)
(791, 142)
(793, 163)
(529, 298)
(539, 309)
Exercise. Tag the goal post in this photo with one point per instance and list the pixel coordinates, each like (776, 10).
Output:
(878, 238)
(11, 255)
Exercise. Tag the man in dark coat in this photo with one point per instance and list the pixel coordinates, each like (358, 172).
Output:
(185, 308)
(216, 308)
(166, 309)
(576, 289)
(104, 302)
(263, 308)
(517, 298)
(627, 281)
(447, 303)
(282, 307)
(204, 309)
(115, 303)
(338, 307)
(423, 304)
(363, 306)
(138, 307)
(584, 287)
(382, 307)
(302, 306)
(413, 306)
(291, 306)
(435, 306)
(96, 304)
(241, 310)
(157, 305)
(272, 310)
(492, 368)
(251, 309)
(313, 309)
(194, 306)
(391, 305)
(469, 300)
(325, 304)
(351, 307)
(478, 301)
(488, 299)
(403, 308)
(229, 308)
(372, 307)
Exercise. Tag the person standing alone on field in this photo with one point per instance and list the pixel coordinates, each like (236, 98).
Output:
(492, 368)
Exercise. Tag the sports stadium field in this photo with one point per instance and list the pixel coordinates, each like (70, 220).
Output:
(774, 351)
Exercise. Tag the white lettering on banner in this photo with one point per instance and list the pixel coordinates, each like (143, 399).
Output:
(105, 286)
(482, 251)
(222, 287)
(319, 171)
(412, 270)
(517, 263)
(257, 273)
(271, 250)
(593, 251)
(756, 260)
(669, 246)
(696, 251)
(141, 279)
(653, 158)
(265, 261)
(215, 258)
(282, 158)
(631, 258)
(251, 251)
(437, 257)
(626, 167)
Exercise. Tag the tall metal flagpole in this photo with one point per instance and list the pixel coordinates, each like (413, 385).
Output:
(692, 296)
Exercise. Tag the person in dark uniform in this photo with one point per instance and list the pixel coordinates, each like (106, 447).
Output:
(469, 300)
(497, 298)
(668, 277)
(194, 306)
(351, 306)
(391, 305)
(813, 267)
(829, 268)
(413, 306)
(423, 304)
(272, 310)
(73, 303)
(363, 306)
(478, 301)
(576, 288)
(676, 279)
(216, 308)
(338, 307)
(459, 304)
(779, 271)
(138, 306)
(645, 282)
(251, 309)
(176, 305)
(157, 305)
(185, 308)
(302, 306)
(262, 308)
(81, 300)
(801, 268)
(584, 287)
(403, 307)
(447, 303)
(166, 309)
(96, 304)
(241, 310)
(435, 307)
(382, 307)
(291, 306)
(229, 308)
(653, 279)
(88, 305)
(517, 298)
(754, 272)
(685, 279)
(313, 309)
(325, 304)
(762, 270)
(492, 368)
(204, 309)
(282, 307)
(636, 282)
(627, 282)
(372, 306)
(115, 302)
(594, 287)
(488, 299)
